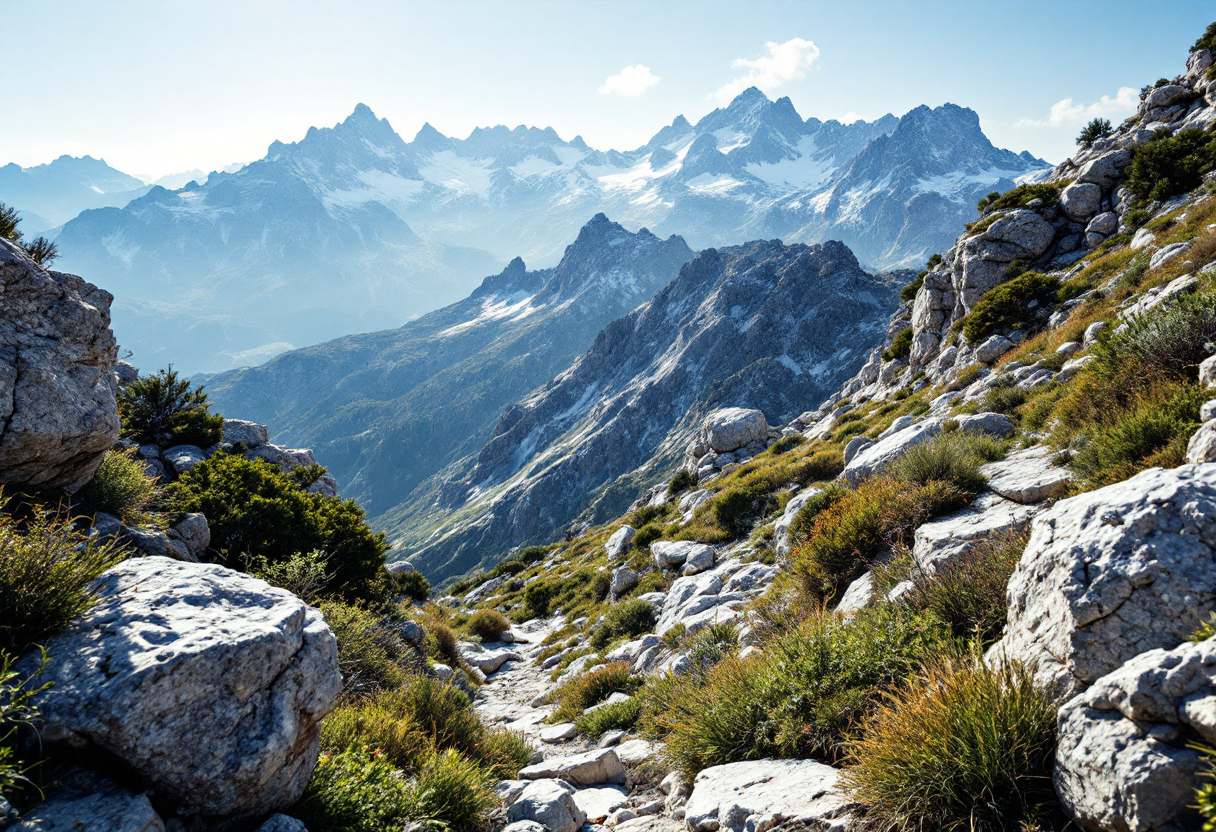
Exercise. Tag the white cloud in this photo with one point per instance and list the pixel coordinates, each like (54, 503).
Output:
(1068, 113)
(784, 62)
(630, 82)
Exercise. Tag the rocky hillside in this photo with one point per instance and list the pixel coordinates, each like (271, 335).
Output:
(353, 229)
(389, 409)
(992, 541)
(764, 325)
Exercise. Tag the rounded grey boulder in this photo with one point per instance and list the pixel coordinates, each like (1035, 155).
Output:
(207, 682)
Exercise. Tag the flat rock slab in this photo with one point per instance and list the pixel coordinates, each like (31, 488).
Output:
(633, 752)
(723, 797)
(111, 810)
(590, 768)
(941, 541)
(600, 802)
(1027, 476)
(873, 458)
(559, 733)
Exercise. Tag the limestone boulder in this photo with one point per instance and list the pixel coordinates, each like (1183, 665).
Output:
(872, 459)
(251, 434)
(732, 428)
(1123, 760)
(1027, 476)
(618, 544)
(108, 809)
(672, 554)
(781, 532)
(1112, 573)
(590, 768)
(208, 683)
(58, 405)
(623, 580)
(803, 793)
(181, 458)
(1080, 201)
(549, 802)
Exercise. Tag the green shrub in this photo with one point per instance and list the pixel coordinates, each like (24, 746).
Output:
(307, 475)
(42, 251)
(1152, 431)
(786, 443)
(1005, 398)
(619, 716)
(963, 747)
(712, 645)
(602, 585)
(1098, 128)
(165, 410)
(1207, 40)
(900, 347)
(371, 655)
(801, 698)
(864, 525)
(646, 535)
(17, 714)
(681, 482)
(908, 293)
(537, 597)
(1205, 795)
(737, 509)
(453, 791)
(1014, 304)
(255, 509)
(1023, 194)
(953, 457)
(588, 689)
(1170, 165)
(413, 585)
(823, 499)
(354, 791)
(968, 593)
(488, 625)
(47, 570)
(441, 641)
(819, 466)
(1164, 341)
(121, 486)
(304, 574)
(632, 617)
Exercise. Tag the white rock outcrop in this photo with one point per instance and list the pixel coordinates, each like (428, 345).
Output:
(210, 684)
(58, 405)
(1112, 573)
(549, 802)
(590, 768)
(727, 796)
(1123, 760)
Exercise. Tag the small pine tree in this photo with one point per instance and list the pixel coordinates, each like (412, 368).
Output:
(163, 409)
(1099, 128)
(42, 251)
(8, 224)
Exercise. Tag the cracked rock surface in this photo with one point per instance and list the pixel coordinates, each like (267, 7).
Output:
(207, 682)
(58, 408)
(1112, 573)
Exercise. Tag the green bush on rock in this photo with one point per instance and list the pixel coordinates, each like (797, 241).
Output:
(165, 410)
(121, 486)
(257, 511)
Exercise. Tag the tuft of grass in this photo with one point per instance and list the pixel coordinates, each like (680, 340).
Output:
(861, 527)
(967, 594)
(1168, 342)
(961, 747)
(371, 656)
(17, 713)
(449, 790)
(121, 486)
(681, 482)
(488, 625)
(952, 457)
(355, 791)
(591, 688)
(803, 697)
(712, 645)
(305, 574)
(632, 618)
(47, 569)
(617, 716)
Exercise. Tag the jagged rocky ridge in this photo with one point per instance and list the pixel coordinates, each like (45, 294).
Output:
(762, 325)
(354, 229)
(387, 410)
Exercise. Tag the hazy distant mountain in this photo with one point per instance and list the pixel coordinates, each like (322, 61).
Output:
(49, 195)
(354, 229)
(761, 325)
(387, 410)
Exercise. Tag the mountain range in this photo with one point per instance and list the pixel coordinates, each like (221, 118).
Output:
(387, 410)
(354, 229)
(47, 196)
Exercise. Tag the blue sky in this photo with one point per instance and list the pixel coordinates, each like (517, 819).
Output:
(161, 86)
